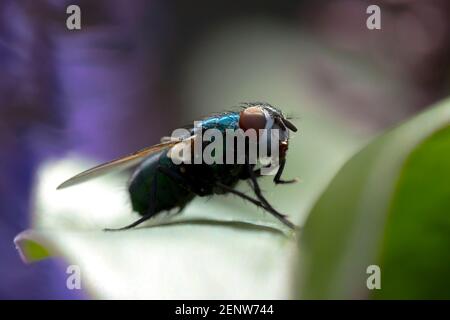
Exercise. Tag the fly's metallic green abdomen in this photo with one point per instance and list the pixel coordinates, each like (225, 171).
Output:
(168, 193)
(171, 194)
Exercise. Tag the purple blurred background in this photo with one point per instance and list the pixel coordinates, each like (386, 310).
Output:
(114, 86)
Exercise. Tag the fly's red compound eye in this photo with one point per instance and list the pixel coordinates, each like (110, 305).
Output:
(252, 118)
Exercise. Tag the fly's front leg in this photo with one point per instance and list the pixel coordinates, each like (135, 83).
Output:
(277, 179)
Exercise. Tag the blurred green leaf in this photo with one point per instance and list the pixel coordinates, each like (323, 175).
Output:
(415, 252)
(388, 206)
(30, 249)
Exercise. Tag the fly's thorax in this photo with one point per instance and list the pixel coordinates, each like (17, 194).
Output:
(258, 131)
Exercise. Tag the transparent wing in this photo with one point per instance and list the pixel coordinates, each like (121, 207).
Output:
(118, 164)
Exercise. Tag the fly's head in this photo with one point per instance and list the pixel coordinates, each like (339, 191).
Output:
(260, 115)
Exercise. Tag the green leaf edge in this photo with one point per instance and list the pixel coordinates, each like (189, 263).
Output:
(338, 277)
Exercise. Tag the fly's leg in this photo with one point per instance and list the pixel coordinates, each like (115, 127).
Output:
(132, 225)
(195, 188)
(277, 179)
(263, 200)
(258, 203)
(150, 212)
(240, 194)
(257, 189)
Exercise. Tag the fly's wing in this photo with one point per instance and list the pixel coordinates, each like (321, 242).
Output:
(119, 164)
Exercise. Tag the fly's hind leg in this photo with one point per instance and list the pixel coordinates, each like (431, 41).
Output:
(258, 203)
(256, 188)
(240, 194)
(150, 212)
(264, 201)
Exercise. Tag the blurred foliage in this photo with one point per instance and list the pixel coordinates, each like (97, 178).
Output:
(388, 206)
(414, 254)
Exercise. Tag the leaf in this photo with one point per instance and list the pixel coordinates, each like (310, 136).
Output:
(177, 262)
(31, 249)
(186, 256)
(387, 206)
(417, 237)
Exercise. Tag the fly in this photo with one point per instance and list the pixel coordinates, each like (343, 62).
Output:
(159, 184)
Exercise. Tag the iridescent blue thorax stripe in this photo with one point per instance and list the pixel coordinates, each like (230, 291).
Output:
(229, 120)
